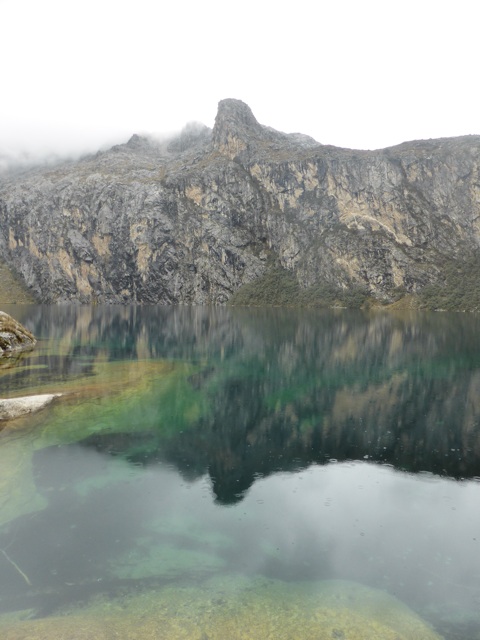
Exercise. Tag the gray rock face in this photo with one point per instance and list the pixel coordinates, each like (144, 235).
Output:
(193, 219)
(13, 336)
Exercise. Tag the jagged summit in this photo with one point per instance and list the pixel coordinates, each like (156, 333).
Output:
(138, 142)
(238, 134)
(234, 113)
(235, 127)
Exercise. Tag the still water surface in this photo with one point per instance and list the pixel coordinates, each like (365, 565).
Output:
(294, 453)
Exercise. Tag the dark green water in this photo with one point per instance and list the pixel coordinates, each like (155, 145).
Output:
(295, 446)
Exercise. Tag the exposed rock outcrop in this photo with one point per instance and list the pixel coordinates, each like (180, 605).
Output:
(12, 408)
(14, 337)
(193, 219)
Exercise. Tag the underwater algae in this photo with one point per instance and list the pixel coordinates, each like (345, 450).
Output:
(116, 398)
(236, 608)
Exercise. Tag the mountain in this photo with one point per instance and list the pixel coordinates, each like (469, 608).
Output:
(246, 214)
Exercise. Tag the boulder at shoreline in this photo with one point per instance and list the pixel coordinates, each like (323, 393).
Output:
(14, 337)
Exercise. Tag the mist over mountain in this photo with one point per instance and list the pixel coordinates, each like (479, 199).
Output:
(247, 214)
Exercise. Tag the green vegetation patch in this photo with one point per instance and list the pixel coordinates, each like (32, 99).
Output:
(123, 397)
(458, 289)
(12, 290)
(279, 287)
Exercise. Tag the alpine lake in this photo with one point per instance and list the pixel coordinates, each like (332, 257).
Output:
(241, 473)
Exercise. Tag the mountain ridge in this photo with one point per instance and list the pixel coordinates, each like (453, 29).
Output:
(197, 218)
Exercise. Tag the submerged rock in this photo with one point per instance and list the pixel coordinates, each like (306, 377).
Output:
(14, 336)
(15, 407)
(237, 608)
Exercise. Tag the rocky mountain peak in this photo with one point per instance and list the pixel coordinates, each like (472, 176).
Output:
(234, 125)
(208, 214)
(136, 141)
(235, 113)
(192, 135)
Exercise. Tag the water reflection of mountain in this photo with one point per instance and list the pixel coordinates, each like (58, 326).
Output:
(287, 389)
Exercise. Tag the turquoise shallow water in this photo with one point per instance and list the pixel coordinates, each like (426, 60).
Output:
(192, 445)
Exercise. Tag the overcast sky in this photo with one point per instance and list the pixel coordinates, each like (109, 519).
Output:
(77, 76)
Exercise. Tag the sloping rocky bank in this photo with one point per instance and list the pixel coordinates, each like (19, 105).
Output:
(14, 337)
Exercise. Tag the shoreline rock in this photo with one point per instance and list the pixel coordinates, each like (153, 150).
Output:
(14, 337)
(12, 408)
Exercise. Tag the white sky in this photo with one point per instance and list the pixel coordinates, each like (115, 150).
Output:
(76, 76)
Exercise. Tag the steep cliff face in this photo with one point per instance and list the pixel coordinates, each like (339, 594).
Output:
(193, 219)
